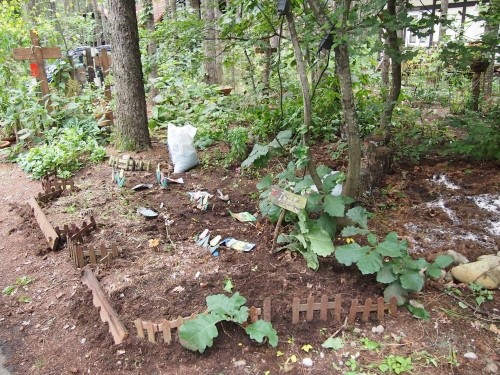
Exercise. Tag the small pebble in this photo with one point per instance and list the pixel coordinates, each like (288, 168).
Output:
(82, 341)
(378, 329)
(470, 355)
(491, 368)
(240, 363)
(308, 362)
(74, 370)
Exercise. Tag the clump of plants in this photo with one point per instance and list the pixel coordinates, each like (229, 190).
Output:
(316, 225)
(198, 334)
(65, 149)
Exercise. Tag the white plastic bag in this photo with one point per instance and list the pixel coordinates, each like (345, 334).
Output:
(181, 147)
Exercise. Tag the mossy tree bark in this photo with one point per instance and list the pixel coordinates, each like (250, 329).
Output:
(131, 117)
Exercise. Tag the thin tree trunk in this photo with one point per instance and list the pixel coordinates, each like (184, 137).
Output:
(153, 72)
(306, 97)
(491, 31)
(130, 113)
(350, 129)
(213, 72)
(97, 23)
(393, 49)
(173, 8)
(444, 16)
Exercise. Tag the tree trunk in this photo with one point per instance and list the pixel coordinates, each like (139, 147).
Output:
(213, 72)
(306, 98)
(350, 129)
(153, 68)
(173, 8)
(196, 5)
(97, 23)
(491, 32)
(393, 49)
(130, 113)
(444, 16)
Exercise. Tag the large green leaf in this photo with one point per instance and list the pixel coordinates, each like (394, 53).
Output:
(260, 329)
(258, 151)
(199, 333)
(313, 202)
(388, 249)
(328, 223)
(230, 308)
(359, 215)
(413, 281)
(334, 206)
(311, 259)
(370, 263)
(284, 137)
(273, 212)
(395, 290)
(353, 231)
(443, 261)
(349, 254)
(321, 242)
(385, 274)
(265, 183)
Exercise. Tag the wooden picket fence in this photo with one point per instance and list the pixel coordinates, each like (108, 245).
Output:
(164, 329)
(84, 231)
(51, 183)
(81, 255)
(335, 306)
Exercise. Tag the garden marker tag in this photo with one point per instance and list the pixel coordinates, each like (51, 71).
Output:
(289, 201)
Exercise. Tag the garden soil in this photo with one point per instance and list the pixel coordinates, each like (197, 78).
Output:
(51, 326)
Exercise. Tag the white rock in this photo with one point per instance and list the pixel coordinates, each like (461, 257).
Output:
(416, 304)
(308, 362)
(470, 355)
(378, 329)
(240, 363)
(491, 368)
(322, 355)
(83, 341)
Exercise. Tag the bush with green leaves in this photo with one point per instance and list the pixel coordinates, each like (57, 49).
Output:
(316, 225)
(65, 149)
(482, 135)
(198, 334)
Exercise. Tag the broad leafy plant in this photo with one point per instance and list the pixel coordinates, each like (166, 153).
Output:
(389, 260)
(198, 334)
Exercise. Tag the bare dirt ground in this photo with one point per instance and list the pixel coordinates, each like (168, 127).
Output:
(51, 326)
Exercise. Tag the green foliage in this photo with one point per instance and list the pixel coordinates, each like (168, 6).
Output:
(482, 135)
(391, 262)
(480, 294)
(20, 282)
(65, 149)
(199, 333)
(396, 364)
(334, 343)
(238, 138)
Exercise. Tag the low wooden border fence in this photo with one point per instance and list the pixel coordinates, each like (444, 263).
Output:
(324, 306)
(150, 330)
(81, 255)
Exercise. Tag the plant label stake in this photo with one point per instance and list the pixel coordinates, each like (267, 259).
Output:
(287, 201)
(37, 54)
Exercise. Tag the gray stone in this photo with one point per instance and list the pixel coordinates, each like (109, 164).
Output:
(470, 355)
(457, 257)
(491, 368)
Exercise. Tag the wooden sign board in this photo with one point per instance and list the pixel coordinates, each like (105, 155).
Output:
(27, 53)
(288, 201)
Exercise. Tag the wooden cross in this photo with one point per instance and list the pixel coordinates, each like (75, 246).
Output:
(37, 54)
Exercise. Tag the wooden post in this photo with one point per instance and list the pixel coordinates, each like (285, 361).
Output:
(38, 54)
